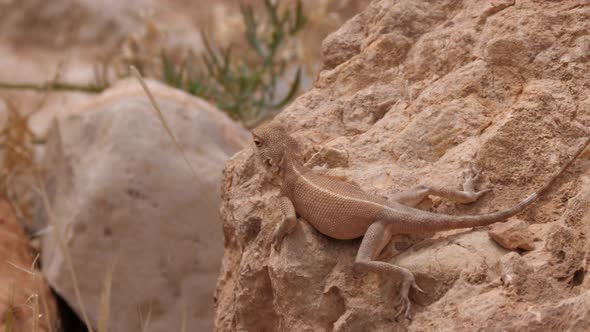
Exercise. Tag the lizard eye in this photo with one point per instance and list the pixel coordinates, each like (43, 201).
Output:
(257, 141)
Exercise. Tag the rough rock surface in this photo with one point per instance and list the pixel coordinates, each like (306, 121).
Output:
(414, 92)
(512, 235)
(122, 194)
(20, 283)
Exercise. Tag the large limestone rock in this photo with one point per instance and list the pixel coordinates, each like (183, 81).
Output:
(122, 194)
(22, 287)
(413, 92)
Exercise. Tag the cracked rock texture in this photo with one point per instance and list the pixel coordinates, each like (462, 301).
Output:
(414, 92)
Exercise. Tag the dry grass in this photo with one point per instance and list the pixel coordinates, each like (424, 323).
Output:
(18, 167)
(8, 316)
(183, 325)
(161, 117)
(105, 299)
(35, 302)
(16, 177)
(57, 233)
(145, 322)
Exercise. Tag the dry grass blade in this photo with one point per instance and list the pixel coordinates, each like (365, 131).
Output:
(16, 158)
(20, 268)
(183, 325)
(146, 323)
(8, 317)
(162, 118)
(65, 252)
(35, 313)
(166, 126)
(38, 301)
(8, 320)
(39, 286)
(47, 317)
(105, 299)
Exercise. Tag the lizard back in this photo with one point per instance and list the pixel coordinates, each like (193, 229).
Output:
(334, 207)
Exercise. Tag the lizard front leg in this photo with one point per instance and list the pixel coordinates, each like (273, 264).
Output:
(288, 223)
(373, 242)
(468, 195)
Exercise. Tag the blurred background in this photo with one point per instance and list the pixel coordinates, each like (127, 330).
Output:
(248, 59)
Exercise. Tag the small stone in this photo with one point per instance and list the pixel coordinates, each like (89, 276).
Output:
(512, 235)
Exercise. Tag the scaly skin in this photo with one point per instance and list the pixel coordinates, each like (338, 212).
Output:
(342, 210)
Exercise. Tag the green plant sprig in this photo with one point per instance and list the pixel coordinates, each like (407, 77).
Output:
(246, 88)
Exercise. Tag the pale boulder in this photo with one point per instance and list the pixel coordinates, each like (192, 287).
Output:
(122, 194)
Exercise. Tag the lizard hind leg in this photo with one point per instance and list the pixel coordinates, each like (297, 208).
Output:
(376, 237)
(415, 195)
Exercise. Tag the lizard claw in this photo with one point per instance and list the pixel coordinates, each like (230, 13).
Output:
(405, 303)
(417, 288)
(277, 238)
(472, 174)
(405, 308)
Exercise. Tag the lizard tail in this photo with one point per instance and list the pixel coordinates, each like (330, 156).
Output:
(410, 220)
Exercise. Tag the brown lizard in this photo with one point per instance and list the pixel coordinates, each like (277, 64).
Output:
(342, 210)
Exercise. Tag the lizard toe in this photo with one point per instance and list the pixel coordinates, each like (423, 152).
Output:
(408, 311)
(408, 281)
(405, 308)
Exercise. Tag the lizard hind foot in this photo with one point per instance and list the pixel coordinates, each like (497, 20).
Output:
(470, 178)
(472, 174)
(405, 308)
(408, 282)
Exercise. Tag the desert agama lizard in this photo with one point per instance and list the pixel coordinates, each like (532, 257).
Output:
(342, 210)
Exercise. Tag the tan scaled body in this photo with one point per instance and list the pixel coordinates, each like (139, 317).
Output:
(342, 210)
(335, 208)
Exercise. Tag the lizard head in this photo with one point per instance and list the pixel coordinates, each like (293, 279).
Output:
(273, 144)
